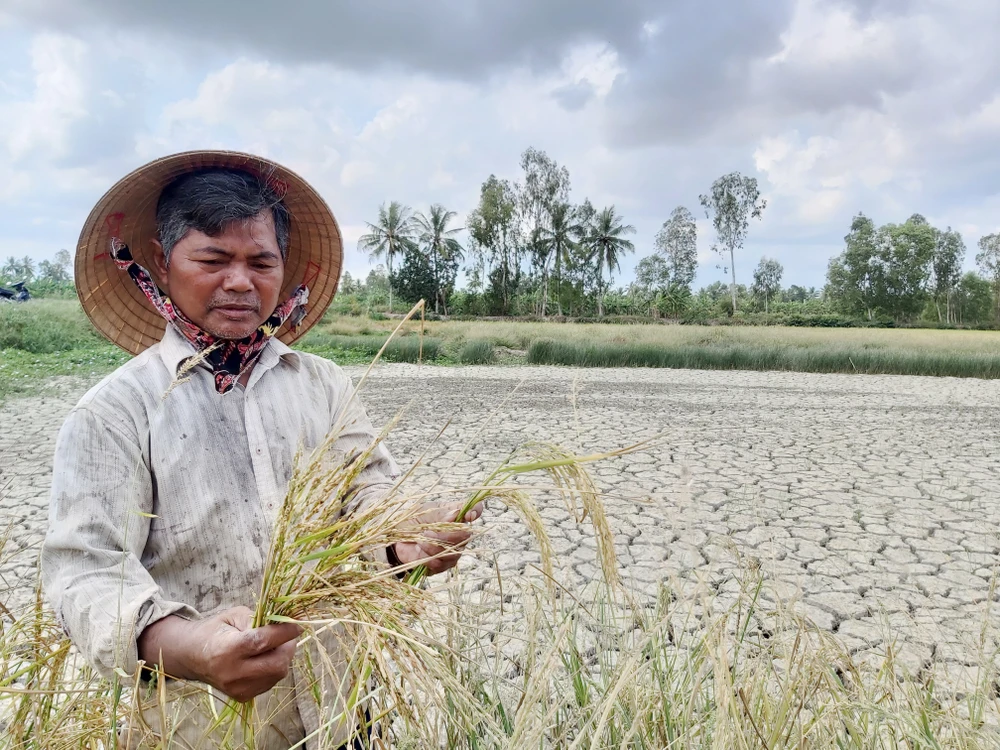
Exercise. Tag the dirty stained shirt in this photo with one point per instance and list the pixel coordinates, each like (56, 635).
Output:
(165, 506)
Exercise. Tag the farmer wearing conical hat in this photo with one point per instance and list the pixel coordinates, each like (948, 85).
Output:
(162, 506)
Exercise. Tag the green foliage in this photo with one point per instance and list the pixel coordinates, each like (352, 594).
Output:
(45, 327)
(767, 280)
(405, 349)
(898, 271)
(496, 235)
(443, 253)
(762, 357)
(988, 260)
(946, 270)
(477, 352)
(732, 202)
(390, 236)
(972, 301)
(44, 338)
(677, 244)
(415, 280)
(606, 243)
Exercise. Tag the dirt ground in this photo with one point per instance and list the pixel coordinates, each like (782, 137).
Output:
(872, 501)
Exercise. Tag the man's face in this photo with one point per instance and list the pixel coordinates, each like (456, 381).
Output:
(227, 285)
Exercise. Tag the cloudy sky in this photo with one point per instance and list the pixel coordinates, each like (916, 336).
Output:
(887, 106)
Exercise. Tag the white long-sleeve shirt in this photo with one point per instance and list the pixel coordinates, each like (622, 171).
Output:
(165, 505)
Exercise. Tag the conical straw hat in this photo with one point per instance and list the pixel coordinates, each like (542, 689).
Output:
(121, 312)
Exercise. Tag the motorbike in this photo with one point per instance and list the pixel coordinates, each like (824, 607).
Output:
(18, 293)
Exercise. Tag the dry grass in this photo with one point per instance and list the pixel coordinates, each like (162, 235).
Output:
(519, 335)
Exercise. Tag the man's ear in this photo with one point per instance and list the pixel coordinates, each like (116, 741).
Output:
(160, 264)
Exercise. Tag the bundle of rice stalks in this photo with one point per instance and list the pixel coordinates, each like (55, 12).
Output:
(321, 570)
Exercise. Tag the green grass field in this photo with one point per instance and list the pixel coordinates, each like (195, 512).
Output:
(50, 337)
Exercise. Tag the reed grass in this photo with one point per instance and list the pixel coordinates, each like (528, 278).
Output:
(760, 357)
(477, 352)
(407, 349)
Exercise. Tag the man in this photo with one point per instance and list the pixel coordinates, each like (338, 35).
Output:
(167, 476)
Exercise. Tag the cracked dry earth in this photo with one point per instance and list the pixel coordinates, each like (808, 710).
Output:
(870, 501)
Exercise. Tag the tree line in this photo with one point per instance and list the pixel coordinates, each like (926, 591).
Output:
(530, 251)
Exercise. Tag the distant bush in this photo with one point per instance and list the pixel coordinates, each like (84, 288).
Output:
(46, 326)
(477, 352)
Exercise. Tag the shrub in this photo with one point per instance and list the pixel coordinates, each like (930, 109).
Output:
(46, 326)
(477, 352)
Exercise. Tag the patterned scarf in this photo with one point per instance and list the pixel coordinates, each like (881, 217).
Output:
(228, 358)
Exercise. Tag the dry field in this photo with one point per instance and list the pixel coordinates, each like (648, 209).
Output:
(871, 499)
(869, 503)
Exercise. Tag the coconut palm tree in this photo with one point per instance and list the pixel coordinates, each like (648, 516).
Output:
(441, 246)
(606, 243)
(558, 241)
(392, 234)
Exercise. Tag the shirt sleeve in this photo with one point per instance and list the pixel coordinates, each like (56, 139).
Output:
(356, 434)
(99, 517)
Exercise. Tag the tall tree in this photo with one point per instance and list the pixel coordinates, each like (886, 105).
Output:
(988, 260)
(493, 226)
(905, 254)
(854, 276)
(767, 280)
(733, 201)
(946, 270)
(973, 300)
(19, 269)
(545, 186)
(558, 241)
(652, 273)
(391, 235)
(607, 244)
(443, 250)
(677, 242)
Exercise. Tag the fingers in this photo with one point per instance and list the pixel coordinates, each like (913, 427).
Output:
(475, 513)
(448, 512)
(270, 637)
(237, 617)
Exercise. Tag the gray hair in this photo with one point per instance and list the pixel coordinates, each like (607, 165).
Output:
(209, 200)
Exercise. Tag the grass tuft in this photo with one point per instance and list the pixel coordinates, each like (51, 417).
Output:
(405, 349)
(477, 352)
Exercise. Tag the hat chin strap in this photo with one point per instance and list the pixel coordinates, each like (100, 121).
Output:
(228, 358)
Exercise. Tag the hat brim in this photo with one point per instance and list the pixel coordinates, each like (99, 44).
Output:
(117, 307)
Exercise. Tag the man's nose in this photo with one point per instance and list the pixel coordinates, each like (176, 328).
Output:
(238, 279)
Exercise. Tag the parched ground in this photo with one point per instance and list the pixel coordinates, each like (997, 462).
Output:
(872, 501)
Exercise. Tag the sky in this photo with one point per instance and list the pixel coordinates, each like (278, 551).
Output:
(891, 107)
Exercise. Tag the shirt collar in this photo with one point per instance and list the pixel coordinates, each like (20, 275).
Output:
(175, 350)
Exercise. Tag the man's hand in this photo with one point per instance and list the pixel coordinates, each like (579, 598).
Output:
(440, 550)
(223, 651)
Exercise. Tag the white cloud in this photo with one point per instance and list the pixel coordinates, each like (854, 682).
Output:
(836, 106)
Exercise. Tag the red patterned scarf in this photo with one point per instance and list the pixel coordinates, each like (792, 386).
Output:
(228, 358)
